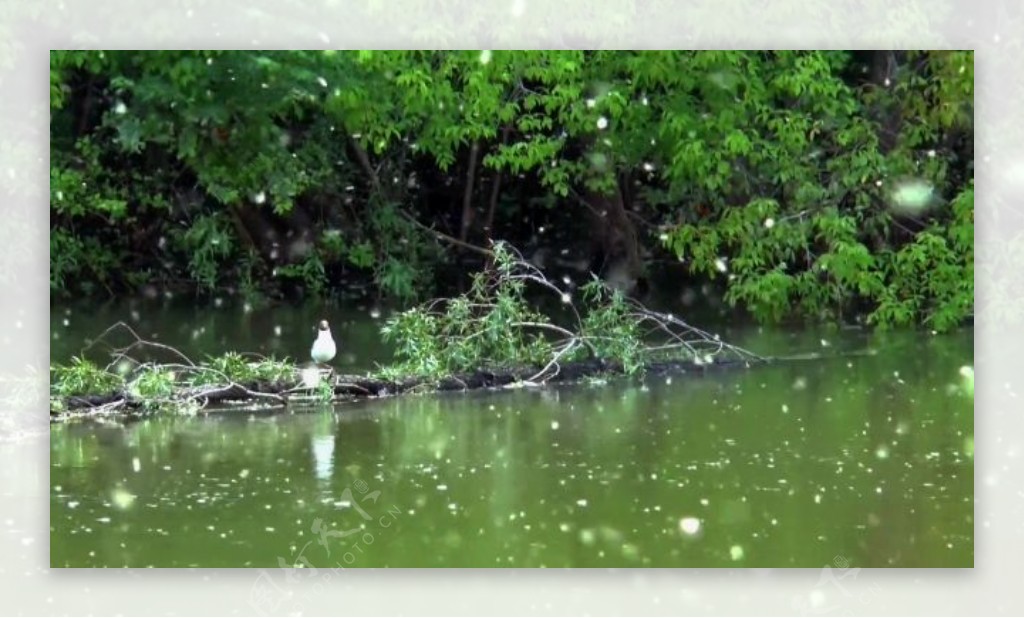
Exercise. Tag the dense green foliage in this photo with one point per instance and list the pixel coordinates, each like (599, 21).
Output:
(824, 185)
(495, 326)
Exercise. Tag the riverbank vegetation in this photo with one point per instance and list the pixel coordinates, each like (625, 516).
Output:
(495, 335)
(834, 186)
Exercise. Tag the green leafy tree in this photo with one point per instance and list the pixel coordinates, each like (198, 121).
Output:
(820, 185)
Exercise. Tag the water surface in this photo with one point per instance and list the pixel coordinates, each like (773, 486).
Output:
(860, 460)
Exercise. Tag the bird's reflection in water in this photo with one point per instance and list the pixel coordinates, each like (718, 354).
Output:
(323, 457)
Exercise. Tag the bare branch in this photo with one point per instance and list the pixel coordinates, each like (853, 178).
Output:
(566, 349)
(445, 237)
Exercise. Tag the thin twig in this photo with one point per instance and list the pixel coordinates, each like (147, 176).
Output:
(121, 353)
(445, 237)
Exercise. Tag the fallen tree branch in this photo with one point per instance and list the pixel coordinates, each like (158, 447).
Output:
(490, 337)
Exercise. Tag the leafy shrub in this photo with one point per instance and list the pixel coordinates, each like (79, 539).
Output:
(82, 377)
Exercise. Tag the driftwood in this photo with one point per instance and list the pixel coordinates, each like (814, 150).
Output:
(268, 395)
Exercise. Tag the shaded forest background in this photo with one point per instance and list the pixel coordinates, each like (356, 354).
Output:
(796, 185)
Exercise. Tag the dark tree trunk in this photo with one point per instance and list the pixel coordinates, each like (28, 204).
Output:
(467, 197)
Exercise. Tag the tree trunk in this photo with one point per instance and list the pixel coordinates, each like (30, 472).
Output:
(883, 72)
(467, 196)
(615, 239)
(495, 191)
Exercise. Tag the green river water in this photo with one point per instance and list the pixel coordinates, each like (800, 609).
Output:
(852, 460)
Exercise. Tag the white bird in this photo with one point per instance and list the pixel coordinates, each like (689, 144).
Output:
(323, 348)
